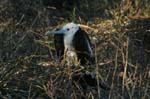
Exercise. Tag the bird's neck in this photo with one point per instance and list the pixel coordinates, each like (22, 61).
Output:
(68, 42)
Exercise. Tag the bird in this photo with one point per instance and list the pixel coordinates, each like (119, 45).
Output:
(73, 41)
(71, 38)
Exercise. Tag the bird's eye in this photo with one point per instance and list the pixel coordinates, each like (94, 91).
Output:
(68, 29)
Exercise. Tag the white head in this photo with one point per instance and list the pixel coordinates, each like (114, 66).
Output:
(70, 28)
(69, 31)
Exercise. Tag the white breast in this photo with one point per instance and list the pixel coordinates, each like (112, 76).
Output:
(68, 41)
(71, 58)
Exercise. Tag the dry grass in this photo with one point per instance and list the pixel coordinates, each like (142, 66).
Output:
(29, 68)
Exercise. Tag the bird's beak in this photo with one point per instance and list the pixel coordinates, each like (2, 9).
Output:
(55, 32)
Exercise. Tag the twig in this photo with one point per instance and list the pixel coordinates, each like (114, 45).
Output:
(86, 27)
(113, 76)
(125, 66)
(30, 90)
(97, 73)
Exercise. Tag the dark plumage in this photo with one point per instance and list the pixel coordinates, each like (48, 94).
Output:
(82, 50)
(59, 45)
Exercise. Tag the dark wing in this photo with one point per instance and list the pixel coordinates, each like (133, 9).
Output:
(85, 54)
(83, 47)
(59, 44)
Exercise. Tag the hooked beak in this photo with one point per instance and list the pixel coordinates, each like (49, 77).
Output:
(55, 32)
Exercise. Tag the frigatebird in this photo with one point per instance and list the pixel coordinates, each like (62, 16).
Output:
(71, 38)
